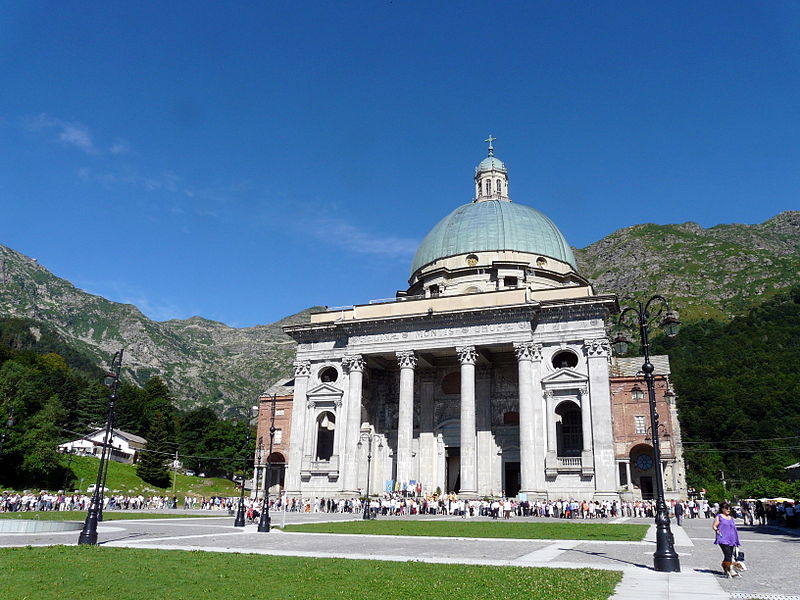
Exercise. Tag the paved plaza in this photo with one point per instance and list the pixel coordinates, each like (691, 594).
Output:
(773, 554)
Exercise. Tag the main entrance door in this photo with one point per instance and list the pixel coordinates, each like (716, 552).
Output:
(646, 485)
(453, 469)
(511, 478)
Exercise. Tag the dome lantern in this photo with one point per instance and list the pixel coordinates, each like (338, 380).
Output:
(491, 177)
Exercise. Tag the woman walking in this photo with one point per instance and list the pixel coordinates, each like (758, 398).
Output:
(727, 538)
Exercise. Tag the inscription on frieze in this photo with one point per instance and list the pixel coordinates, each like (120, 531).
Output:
(438, 333)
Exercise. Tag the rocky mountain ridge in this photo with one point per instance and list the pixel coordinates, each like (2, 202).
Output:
(203, 362)
(716, 272)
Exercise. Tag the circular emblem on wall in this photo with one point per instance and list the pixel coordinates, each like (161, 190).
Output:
(644, 462)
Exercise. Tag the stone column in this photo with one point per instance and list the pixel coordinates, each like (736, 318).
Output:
(469, 476)
(405, 417)
(551, 460)
(302, 371)
(354, 365)
(587, 457)
(629, 485)
(598, 352)
(531, 463)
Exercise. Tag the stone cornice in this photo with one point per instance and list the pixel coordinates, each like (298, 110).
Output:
(540, 311)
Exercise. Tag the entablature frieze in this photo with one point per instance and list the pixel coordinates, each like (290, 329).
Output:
(441, 337)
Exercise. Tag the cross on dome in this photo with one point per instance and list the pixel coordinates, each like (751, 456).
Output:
(490, 139)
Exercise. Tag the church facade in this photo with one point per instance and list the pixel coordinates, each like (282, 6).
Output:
(490, 375)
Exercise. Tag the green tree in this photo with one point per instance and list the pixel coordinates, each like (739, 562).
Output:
(152, 465)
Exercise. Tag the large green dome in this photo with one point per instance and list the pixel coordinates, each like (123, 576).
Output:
(493, 225)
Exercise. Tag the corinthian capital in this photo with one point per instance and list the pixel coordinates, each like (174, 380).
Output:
(354, 362)
(467, 355)
(406, 359)
(302, 368)
(528, 351)
(597, 347)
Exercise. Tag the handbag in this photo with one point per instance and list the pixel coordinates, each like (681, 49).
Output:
(739, 555)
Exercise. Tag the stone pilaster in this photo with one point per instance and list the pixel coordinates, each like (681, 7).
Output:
(598, 352)
(302, 371)
(469, 476)
(551, 459)
(587, 456)
(530, 415)
(354, 365)
(427, 440)
(486, 449)
(405, 418)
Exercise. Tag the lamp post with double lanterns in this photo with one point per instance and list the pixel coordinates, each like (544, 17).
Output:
(642, 314)
(240, 520)
(89, 533)
(264, 520)
(369, 438)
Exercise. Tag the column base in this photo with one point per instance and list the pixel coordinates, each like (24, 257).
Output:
(534, 494)
(468, 495)
(605, 495)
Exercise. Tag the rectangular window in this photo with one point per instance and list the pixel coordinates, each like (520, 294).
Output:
(279, 412)
(640, 426)
(278, 436)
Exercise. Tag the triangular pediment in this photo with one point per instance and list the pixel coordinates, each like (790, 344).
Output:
(324, 389)
(565, 377)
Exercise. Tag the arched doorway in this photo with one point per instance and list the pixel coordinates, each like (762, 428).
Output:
(277, 471)
(643, 470)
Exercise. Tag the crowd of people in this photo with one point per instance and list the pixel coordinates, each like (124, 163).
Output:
(755, 512)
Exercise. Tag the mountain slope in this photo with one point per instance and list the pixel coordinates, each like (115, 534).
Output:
(717, 272)
(203, 362)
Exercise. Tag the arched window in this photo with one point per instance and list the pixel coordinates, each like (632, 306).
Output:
(488, 187)
(569, 430)
(499, 187)
(326, 424)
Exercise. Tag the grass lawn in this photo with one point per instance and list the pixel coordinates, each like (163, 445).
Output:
(484, 529)
(108, 515)
(59, 572)
(122, 478)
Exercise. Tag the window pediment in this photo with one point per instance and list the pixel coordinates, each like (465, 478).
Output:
(565, 378)
(323, 390)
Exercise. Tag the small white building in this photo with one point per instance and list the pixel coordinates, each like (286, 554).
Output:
(124, 446)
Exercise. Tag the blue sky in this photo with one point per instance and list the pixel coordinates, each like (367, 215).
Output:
(242, 161)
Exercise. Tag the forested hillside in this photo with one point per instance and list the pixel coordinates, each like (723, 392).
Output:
(738, 386)
(55, 394)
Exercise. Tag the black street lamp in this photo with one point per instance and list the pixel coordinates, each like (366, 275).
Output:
(89, 533)
(368, 437)
(240, 521)
(264, 521)
(664, 558)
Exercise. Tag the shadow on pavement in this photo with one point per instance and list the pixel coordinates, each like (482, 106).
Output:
(606, 556)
